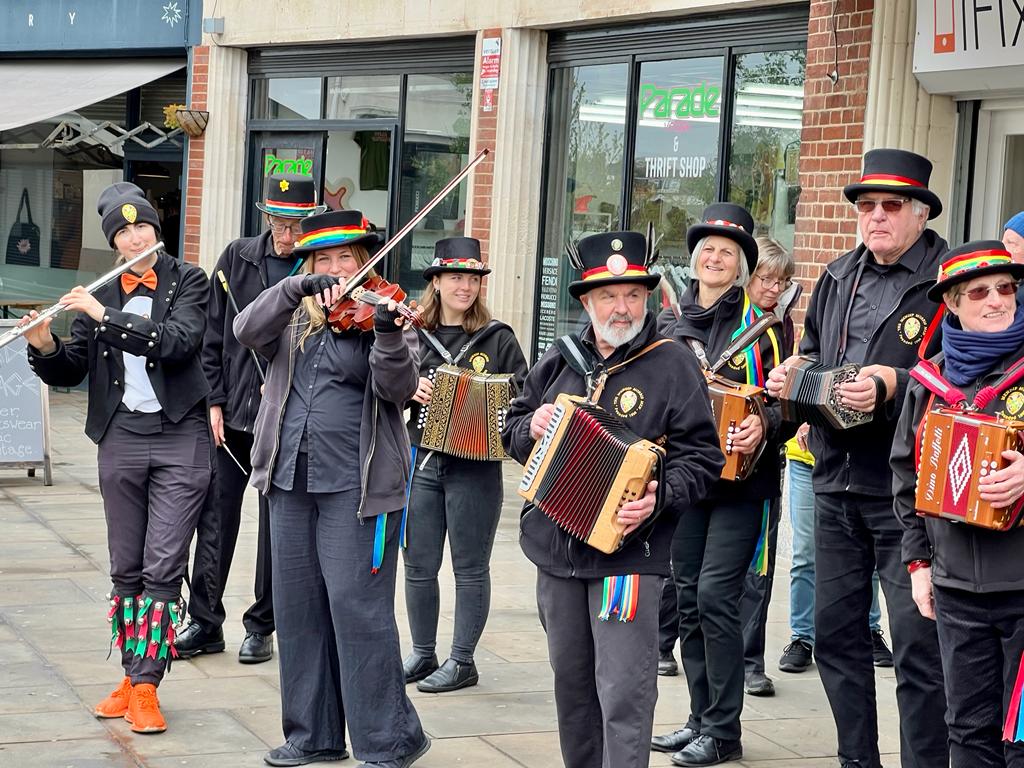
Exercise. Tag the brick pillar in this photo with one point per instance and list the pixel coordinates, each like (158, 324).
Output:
(832, 139)
(483, 133)
(196, 158)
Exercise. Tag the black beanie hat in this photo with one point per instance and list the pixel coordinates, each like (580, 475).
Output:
(121, 204)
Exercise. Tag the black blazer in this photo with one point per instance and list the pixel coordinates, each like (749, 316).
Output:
(171, 341)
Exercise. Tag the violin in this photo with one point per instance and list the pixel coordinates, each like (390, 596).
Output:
(357, 308)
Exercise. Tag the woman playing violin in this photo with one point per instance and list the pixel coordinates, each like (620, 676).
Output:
(331, 453)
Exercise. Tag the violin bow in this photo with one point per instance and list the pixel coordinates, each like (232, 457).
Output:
(389, 246)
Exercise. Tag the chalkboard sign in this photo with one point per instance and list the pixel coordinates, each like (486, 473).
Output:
(24, 412)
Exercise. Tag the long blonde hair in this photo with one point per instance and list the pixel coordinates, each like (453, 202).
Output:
(316, 318)
(475, 318)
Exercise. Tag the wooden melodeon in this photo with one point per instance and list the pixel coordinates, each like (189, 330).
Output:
(956, 449)
(731, 403)
(466, 413)
(584, 468)
(811, 394)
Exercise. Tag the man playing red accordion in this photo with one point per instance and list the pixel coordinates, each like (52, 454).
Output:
(600, 611)
(966, 578)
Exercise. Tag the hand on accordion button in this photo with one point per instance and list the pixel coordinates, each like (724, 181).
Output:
(633, 513)
(1004, 486)
(777, 376)
(540, 420)
(747, 437)
(860, 394)
(423, 391)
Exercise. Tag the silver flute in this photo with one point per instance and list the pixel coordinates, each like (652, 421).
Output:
(19, 331)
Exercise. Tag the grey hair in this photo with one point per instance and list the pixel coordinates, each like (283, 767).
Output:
(743, 276)
(774, 258)
(919, 208)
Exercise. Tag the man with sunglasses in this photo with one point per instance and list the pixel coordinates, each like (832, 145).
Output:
(249, 265)
(871, 309)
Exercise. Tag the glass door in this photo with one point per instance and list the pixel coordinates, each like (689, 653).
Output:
(358, 167)
(272, 153)
(999, 169)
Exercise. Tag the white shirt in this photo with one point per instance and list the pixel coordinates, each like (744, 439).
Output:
(138, 390)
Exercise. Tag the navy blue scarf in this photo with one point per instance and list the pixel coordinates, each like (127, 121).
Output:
(970, 355)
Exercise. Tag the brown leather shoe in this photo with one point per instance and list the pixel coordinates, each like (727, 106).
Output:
(144, 710)
(116, 704)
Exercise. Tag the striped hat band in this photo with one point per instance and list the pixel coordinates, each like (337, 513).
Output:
(975, 260)
(458, 263)
(331, 236)
(288, 209)
(890, 180)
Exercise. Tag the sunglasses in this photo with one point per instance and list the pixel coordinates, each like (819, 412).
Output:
(981, 292)
(889, 205)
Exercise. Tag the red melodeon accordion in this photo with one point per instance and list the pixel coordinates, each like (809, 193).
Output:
(956, 449)
(584, 468)
(811, 394)
(467, 413)
(731, 403)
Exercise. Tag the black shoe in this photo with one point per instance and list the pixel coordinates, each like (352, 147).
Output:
(417, 667)
(256, 648)
(673, 742)
(707, 750)
(450, 676)
(194, 640)
(797, 656)
(667, 666)
(759, 684)
(402, 762)
(289, 754)
(880, 652)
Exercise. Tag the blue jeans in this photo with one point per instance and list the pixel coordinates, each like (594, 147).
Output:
(801, 573)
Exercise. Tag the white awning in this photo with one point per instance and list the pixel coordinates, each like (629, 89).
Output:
(34, 91)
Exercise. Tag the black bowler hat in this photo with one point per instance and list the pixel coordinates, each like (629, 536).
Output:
(727, 220)
(336, 228)
(971, 260)
(290, 196)
(611, 258)
(897, 171)
(456, 254)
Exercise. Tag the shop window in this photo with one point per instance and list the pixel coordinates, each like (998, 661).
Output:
(435, 147)
(355, 97)
(287, 98)
(357, 173)
(765, 142)
(584, 186)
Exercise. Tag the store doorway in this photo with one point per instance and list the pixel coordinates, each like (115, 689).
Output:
(999, 168)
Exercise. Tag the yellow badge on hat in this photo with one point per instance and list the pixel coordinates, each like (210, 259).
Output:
(129, 212)
(284, 185)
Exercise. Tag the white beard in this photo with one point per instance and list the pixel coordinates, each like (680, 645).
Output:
(614, 336)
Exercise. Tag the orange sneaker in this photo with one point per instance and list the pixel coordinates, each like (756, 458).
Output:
(116, 704)
(144, 710)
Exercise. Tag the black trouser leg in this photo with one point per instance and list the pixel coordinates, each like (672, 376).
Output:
(757, 595)
(259, 617)
(668, 618)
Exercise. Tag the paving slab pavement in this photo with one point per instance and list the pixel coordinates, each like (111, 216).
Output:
(53, 644)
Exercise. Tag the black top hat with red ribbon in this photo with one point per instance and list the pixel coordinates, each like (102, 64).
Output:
(899, 172)
(727, 220)
(613, 257)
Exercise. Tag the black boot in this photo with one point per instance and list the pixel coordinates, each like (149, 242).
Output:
(417, 667)
(450, 676)
(256, 648)
(194, 640)
(707, 750)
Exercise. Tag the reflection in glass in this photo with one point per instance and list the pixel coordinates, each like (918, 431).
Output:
(353, 97)
(356, 173)
(675, 163)
(436, 147)
(584, 183)
(286, 98)
(765, 140)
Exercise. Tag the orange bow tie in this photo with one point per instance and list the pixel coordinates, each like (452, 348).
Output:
(130, 281)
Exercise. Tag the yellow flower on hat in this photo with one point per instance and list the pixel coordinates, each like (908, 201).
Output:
(284, 185)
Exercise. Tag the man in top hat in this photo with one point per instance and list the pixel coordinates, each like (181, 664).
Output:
(871, 309)
(249, 265)
(604, 652)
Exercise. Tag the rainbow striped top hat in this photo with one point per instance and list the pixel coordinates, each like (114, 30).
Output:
(971, 260)
(902, 173)
(290, 196)
(336, 228)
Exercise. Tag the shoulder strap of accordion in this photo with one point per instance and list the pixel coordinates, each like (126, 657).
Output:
(576, 356)
(445, 354)
(437, 345)
(748, 336)
(927, 373)
(487, 330)
(700, 353)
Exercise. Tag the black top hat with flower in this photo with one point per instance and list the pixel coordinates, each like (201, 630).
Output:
(290, 196)
(974, 259)
(897, 171)
(456, 254)
(727, 220)
(336, 228)
(613, 257)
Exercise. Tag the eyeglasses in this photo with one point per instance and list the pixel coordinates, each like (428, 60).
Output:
(768, 283)
(982, 291)
(279, 227)
(889, 205)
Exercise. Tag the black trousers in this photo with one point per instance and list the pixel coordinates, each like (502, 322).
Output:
(216, 535)
(854, 534)
(757, 594)
(668, 618)
(982, 638)
(606, 672)
(711, 553)
(153, 487)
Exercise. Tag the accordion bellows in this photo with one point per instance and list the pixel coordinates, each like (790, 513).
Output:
(956, 449)
(467, 413)
(584, 468)
(811, 394)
